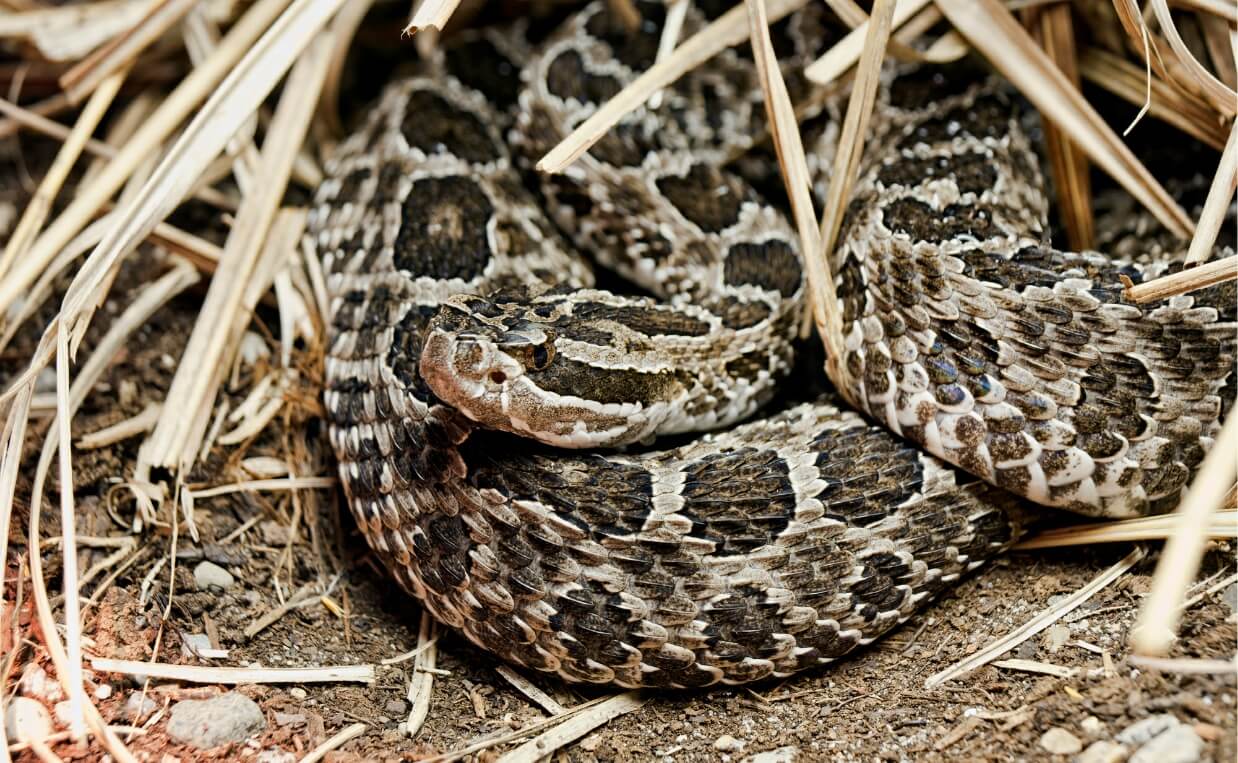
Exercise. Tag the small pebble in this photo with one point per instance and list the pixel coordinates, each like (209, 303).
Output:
(274, 534)
(275, 756)
(1059, 741)
(206, 723)
(194, 644)
(298, 693)
(1230, 596)
(138, 706)
(728, 743)
(36, 683)
(788, 754)
(1092, 726)
(26, 719)
(1056, 637)
(103, 691)
(289, 719)
(1179, 744)
(210, 575)
(396, 707)
(1103, 751)
(1141, 731)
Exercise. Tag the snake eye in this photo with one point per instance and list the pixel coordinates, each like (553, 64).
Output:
(542, 355)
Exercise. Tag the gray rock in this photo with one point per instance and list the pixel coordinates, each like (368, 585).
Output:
(1141, 731)
(211, 722)
(26, 719)
(210, 575)
(788, 754)
(1103, 751)
(138, 706)
(1059, 741)
(194, 644)
(1179, 744)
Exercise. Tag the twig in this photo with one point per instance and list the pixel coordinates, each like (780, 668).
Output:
(335, 742)
(518, 734)
(796, 177)
(36, 116)
(528, 689)
(116, 55)
(306, 594)
(1214, 91)
(727, 30)
(431, 14)
(179, 432)
(167, 117)
(1184, 666)
(204, 674)
(410, 654)
(1053, 29)
(1220, 524)
(995, 33)
(574, 728)
(1156, 628)
(32, 119)
(1190, 279)
(290, 483)
(844, 53)
(1038, 623)
(1220, 193)
(847, 163)
(121, 430)
(1167, 103)
(421, 686)
(1032, 666)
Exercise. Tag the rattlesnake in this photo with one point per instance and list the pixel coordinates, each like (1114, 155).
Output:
(778, 544)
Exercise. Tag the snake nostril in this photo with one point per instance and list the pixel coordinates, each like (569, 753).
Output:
(498, 377)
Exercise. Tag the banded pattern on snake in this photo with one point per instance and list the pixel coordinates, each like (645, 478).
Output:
(778, 544)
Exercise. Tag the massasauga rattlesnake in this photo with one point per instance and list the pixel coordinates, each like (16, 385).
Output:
(781, 543)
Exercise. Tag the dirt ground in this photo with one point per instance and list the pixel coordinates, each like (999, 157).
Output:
(870, 706)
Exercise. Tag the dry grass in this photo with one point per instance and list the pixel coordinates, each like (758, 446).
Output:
(182, 139)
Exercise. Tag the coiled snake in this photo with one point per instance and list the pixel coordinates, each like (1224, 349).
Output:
(778, 544)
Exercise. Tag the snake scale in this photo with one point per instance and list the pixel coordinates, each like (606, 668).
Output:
(760, 549)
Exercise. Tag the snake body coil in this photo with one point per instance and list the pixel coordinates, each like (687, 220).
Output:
(779, 544)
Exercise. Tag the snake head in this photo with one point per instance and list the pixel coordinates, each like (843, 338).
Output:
(506, 364)
(476, 355)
